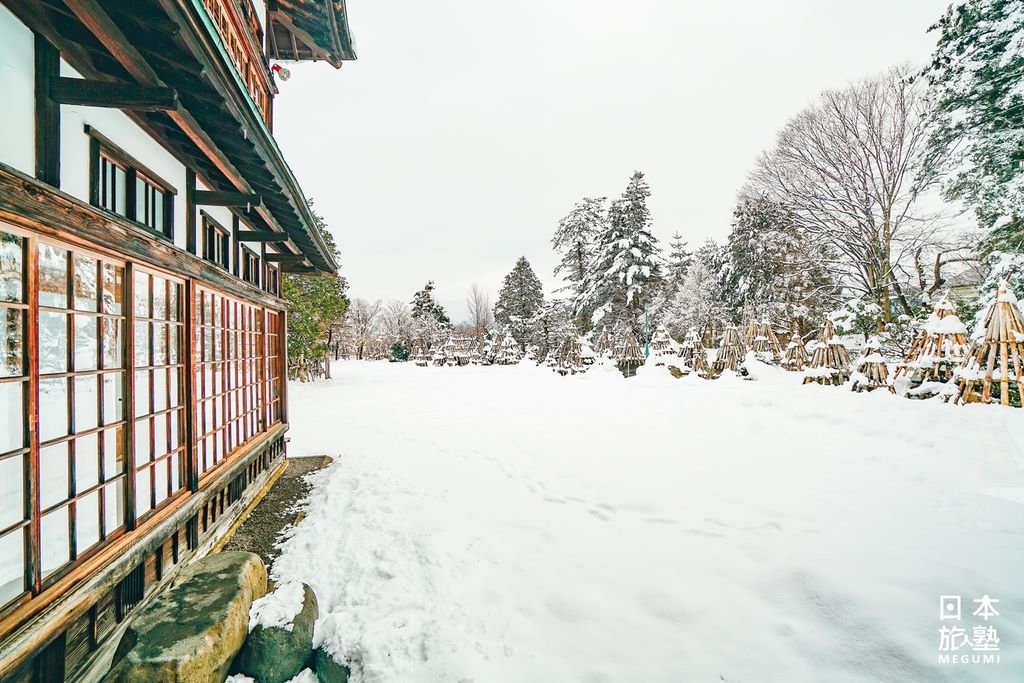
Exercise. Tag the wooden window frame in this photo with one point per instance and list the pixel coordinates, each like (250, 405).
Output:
(250, 266)
(101, 146)
(223, 235)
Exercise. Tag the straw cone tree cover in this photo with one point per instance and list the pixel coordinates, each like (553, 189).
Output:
(993, 370)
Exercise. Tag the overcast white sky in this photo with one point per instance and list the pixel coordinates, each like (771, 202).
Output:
(467, 128)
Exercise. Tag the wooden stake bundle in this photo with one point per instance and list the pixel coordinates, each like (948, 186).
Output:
(764, 342)
(508, 353)
(796, 357)
(937, 350)
(604, 342)
(693, 354)
(993, 369)
(830, 362)
(731, 352)
(872, 372)
(628, 354)
(569, 359)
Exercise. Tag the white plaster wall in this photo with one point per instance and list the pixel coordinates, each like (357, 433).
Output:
(17, 87)
(122, 131)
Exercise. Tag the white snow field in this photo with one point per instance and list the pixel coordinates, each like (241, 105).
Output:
(505, 524)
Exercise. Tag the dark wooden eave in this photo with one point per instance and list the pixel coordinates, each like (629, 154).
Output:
(303, 30)
(214, 128)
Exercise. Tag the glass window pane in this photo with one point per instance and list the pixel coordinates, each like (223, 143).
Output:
(53, 342)
(142, 295)
(159, 389)
(12, 565)
(53, 276)
(114, 505)
(12, 341)
(177, 480)
(113, 397)
(142, 448)
(87, 462)
(160, 481)
(158, 210)
(85, 282)
(143, 500)
(12, 490)
(159, 344)
(87, 521)
(53, 476)
(86, 403)
(142, 392)
(174, 389)
(12, 434)
(113, 452)
(172, 302)
(54, 540)
(112, 342)
(53, 408)
(174, 440)
(113, 288)
(159, 298)
(120, 191)
(159, 436)
(12, 260)
(142, 354)
(86, 343)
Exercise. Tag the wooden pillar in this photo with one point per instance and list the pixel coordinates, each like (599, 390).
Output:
(31, 416)
(47, 70)
(192, 344)
(190, 211)
(129, 395)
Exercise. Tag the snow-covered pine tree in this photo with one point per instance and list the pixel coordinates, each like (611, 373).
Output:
(977, 124)
(431, 324)
(519, 302)
(679, 260)
(627, 263)
(773, 268)
(698, 302)
(575, 240)
(552, 326)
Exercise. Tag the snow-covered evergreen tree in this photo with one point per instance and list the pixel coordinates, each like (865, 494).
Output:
(520, 300)
(575, 240)
(679, 260)
(977, 128)
(773, 268)
(430, 321)
(627, 263)
(698, 302)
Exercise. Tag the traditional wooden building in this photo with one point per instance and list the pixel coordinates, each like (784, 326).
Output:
(146, 216)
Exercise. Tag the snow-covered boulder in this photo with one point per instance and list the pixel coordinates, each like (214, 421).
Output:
(280, 642)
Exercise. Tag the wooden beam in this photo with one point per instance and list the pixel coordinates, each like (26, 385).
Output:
(262, 236)
(190, 211)
(285, 258)
(297, 268)
(29, 203)
(237, 199)
(47, 143)
(91, 93)
(96, 19)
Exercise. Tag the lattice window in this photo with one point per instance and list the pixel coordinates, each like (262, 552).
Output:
(81, 404)
(14, 451)
(158, 388)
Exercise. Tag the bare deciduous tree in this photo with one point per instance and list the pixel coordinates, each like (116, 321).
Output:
(478, 308)
(362, 322)
(397, 324)
(849, 169)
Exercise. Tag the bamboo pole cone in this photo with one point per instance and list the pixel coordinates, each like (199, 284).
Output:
(872, 372)
(993, 369)
(830, 362)
(795, 358)
(936, 351)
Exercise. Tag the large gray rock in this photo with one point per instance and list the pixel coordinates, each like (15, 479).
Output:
(275, 654)
(191, 632)
(328, 670)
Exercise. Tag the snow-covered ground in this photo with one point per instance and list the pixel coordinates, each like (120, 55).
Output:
(507, 524)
